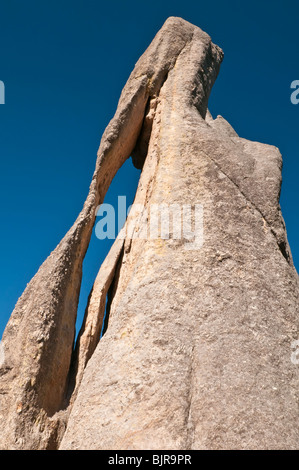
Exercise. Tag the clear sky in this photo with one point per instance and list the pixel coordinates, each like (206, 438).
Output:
(64, 64)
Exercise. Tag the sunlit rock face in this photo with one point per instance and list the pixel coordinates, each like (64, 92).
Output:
(200, 319)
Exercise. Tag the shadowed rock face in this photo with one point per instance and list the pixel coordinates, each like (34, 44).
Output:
(198, 346)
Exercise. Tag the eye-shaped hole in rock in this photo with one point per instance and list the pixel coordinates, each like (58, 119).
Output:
(103, 253)
(119, 197)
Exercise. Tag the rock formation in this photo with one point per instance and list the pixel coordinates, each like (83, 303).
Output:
(197, 353)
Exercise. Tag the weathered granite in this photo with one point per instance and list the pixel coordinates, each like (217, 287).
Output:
(197, 350)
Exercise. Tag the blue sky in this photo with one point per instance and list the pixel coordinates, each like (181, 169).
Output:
(64, 64)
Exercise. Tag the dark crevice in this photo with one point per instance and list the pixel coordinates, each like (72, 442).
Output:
(107, 311)
(106, 314)
(110, 294)
(72, 379)
(141, 148)
(71, 382)
(284, 251)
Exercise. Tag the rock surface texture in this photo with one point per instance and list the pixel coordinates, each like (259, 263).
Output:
(197, 353)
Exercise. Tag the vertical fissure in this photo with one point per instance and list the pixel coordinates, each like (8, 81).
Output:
(110, 295)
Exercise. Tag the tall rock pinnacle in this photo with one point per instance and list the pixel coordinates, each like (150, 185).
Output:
(197, 353)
